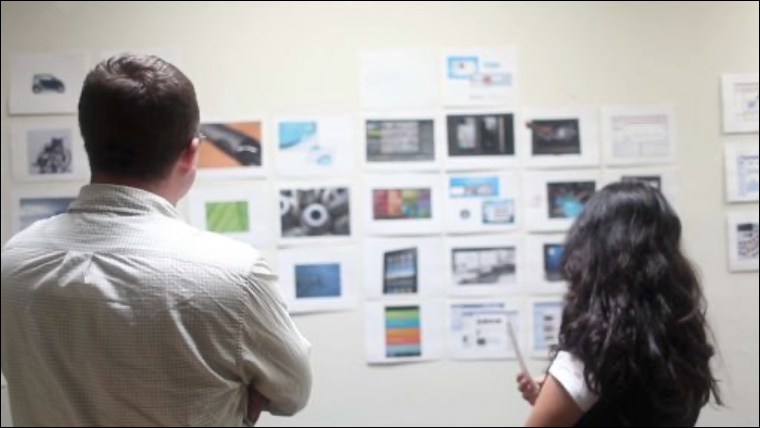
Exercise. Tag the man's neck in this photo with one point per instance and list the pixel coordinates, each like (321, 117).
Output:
(157, 188)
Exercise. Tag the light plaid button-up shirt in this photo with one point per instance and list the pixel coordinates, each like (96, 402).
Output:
(120, 314)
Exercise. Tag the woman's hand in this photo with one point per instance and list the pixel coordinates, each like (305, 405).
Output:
(530, 388)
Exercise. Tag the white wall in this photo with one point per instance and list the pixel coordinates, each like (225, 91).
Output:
(4, 184)
(301, 58)
(6, 411)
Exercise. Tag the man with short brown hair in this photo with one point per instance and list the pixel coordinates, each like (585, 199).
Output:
(119, 314)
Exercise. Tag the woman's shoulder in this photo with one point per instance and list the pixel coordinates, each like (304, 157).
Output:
(569, 372)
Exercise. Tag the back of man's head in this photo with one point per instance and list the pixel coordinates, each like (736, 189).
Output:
(137, 114)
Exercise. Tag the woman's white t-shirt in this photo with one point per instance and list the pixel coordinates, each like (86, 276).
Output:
(568, 371)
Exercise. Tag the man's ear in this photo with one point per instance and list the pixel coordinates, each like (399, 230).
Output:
(189, 158)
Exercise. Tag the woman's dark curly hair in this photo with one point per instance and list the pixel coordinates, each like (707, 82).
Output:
(635, 313)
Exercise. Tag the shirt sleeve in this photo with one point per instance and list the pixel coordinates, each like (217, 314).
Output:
(274, 356)
(569, 372)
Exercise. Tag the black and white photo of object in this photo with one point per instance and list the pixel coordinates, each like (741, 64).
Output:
(47, 83)
(481, 135)
(479, 266)
(400, 141)
(663, 178)
(315, 213)
(50, 152)
(556, 137)
(748, 249)
(743, 238)
(652, 181)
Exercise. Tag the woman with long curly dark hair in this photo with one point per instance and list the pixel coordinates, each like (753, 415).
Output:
(635, 346)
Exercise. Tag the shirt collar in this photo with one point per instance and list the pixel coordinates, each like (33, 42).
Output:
(121, 200)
